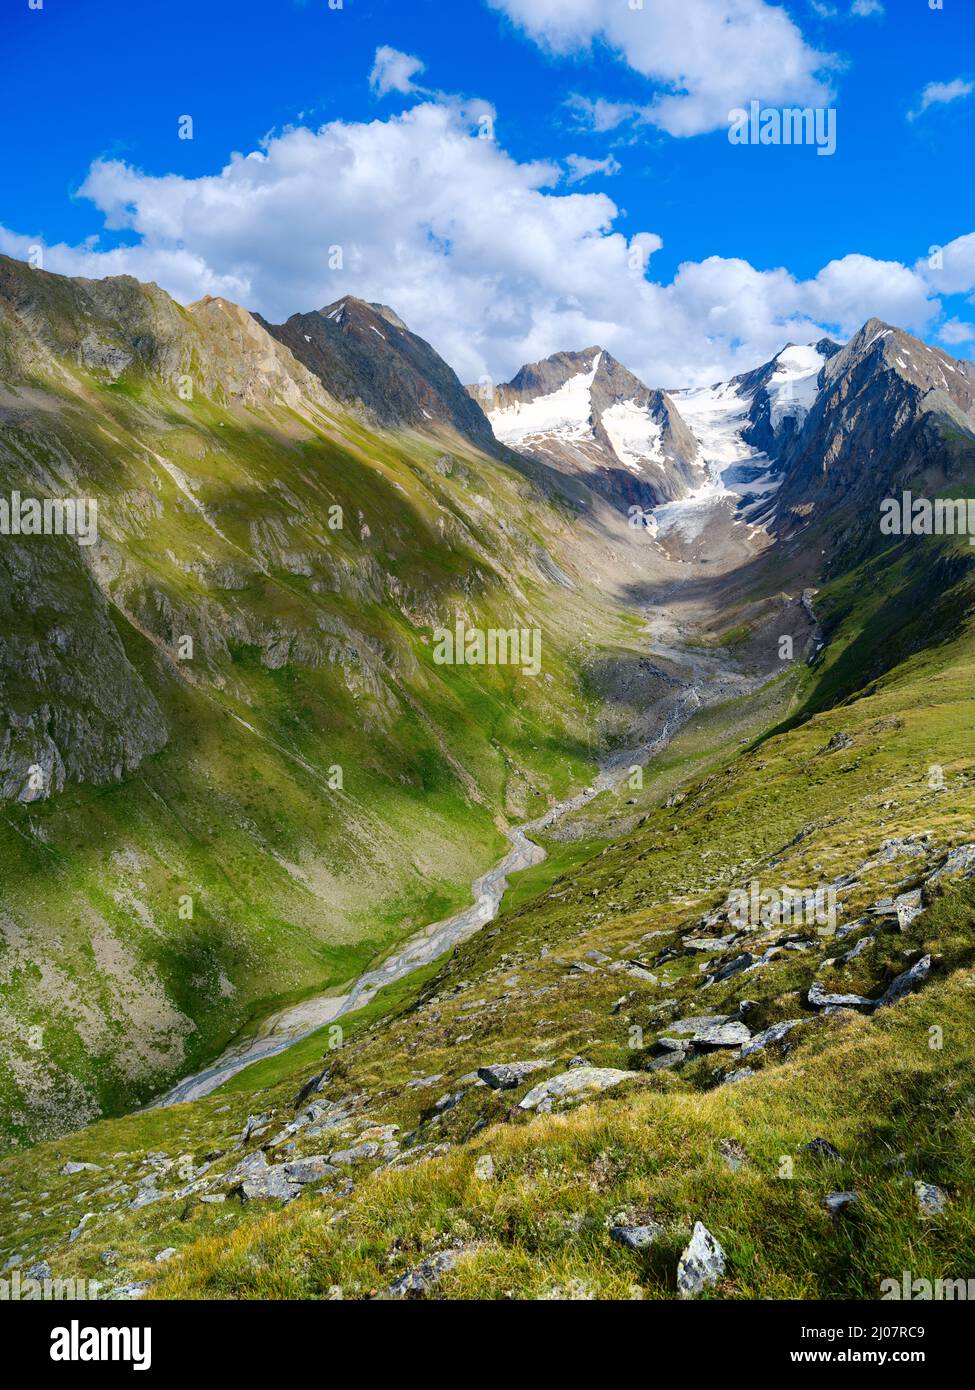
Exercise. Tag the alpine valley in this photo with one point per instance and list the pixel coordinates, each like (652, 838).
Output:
(330, 967)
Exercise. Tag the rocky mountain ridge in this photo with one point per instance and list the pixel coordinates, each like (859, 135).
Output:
(365, 356)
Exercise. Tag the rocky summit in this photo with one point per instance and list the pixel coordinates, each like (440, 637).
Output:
(339, 960)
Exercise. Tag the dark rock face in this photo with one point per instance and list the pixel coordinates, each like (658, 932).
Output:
(891, 413)
(74, 707)
(587, 415)
(364, 354)
(771, 432)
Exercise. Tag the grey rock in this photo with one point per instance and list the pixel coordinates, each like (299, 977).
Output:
(773, 1034)
(931, 1200)
(733, 1077)
(39, 1271)
(908, 906)
(88, 1216)
(269, 1184)
(822, 1148)
(305, 1170)
(636, 1237)
(640, 972)
(315, 1083)
(701, 1265)
(742, 962)
(692, 1025)
(669, 1060)
(127, 1291)
(506, 1076)
(573, 1083)
(255, 1126)
(484, 1168)
(819, 999)
(358, 1153)
(837, 1202)
(425, 1276)
(959, 861)
(145, 1197)
(907, 847)
(722, 1035)
(448, 1101)
(165, 1255)
(862, 945)
(248, 1167)
(69, 1169)
(906, 983)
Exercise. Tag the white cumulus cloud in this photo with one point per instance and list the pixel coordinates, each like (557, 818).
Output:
(954, 331)
(491, 259)
(942, 94)
(582, 167)
(705, 57)
(393, 71)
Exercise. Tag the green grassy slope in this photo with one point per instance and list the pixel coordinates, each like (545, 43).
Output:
(892, 1091)
(308, 784)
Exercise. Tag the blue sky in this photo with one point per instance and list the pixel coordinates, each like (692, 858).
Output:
(767, 232)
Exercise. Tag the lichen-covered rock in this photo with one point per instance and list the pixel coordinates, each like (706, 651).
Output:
(506, 1076)
(636, 1237)
(701, 1265)
(570, 1084)
(484, 1168)
(837, 1202)
(773, 1034)
(906, 983)
(416, 1282)
(931, 1200)
(820, 998)
(358, 1153)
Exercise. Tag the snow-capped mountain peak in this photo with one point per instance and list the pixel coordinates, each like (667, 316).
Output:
(585, 414)
(564, 412)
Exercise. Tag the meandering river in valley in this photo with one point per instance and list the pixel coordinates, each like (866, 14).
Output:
(707, 682)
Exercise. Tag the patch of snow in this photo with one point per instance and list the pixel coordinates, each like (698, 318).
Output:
(793, 388)
(565, 413)
(634, 435)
